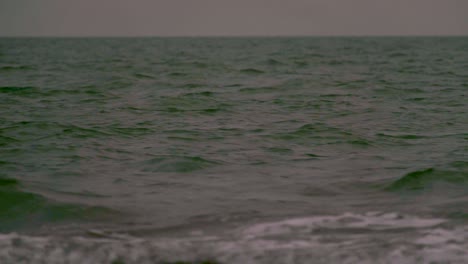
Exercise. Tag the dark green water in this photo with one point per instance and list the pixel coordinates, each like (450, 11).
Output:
(234, 150)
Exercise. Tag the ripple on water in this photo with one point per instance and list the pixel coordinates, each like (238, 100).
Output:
(9, 68)
(195, 103)
(260, 90)
(180, 164)
(321, 134)
(251, 71)
(26, 91)
(42, 93)
(203, 93)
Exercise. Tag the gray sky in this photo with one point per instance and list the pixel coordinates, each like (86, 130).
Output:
(232, 17)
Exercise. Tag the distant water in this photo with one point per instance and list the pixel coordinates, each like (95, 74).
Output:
(234, 150)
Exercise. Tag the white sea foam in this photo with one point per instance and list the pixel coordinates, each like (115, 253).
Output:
(347, 238)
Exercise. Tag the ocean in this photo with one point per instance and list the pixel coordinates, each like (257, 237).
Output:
(234, 150)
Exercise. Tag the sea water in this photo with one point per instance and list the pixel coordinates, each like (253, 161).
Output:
(234, 150)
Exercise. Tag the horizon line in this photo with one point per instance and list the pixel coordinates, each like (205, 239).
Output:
(234, 36)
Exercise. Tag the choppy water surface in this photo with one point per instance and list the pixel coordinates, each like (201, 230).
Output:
(243, 150)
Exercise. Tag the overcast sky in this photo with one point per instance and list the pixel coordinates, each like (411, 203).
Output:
(232, 17)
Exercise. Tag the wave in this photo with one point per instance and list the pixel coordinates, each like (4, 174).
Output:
(372, 237)
(21, 210)
(423, 179)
